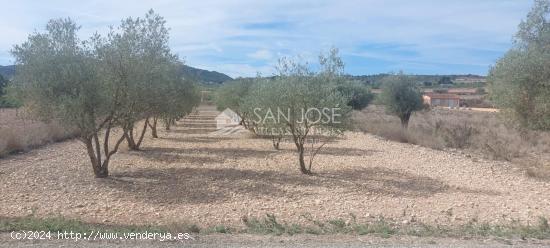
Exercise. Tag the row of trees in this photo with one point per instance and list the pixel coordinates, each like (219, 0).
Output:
(519, 84)
(309, 106)
(103, 83)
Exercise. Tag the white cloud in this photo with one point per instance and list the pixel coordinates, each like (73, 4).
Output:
(218, 34)
(261, 54)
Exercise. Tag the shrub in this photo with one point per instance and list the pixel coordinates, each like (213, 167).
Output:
(359, 95)
(456, 135)
(519, 81)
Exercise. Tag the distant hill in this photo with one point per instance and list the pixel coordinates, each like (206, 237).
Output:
(203, 76)
(374, 80)
(7, 71)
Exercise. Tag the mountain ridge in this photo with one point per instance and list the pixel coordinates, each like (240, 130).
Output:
(214, 77)
(203, 76)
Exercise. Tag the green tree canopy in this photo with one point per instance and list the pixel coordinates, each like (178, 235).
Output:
(102, 83)
(401, 97)
(519, 83)
(301, 103)
(360, 95)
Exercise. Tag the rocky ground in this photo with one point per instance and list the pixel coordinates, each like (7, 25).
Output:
(196, 177)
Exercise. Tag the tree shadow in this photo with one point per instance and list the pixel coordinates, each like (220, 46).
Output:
(192, 131)
(219, 152)
(211, 185)
(205, 139)
(384, 181)
(168, 158)
(339, 151)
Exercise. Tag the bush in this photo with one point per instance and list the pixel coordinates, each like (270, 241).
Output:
(456, 135)
(518, 82)
(360, 96)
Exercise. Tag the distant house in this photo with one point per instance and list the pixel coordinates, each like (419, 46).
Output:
(227, 118)
(442, 100)
(463, 91)
(470, 80)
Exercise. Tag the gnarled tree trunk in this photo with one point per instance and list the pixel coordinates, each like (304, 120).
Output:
(153, 126)
(100, 157)
(129, 135)
(405, 120)
(303, 167)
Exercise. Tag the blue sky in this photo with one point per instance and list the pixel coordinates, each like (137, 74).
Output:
(243, 37)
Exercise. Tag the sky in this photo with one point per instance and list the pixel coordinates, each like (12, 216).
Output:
(246, 37)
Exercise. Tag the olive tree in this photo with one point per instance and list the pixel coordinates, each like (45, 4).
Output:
(58, 78)
(231, 95)
(401, 96)
(303, 104)
(519, 82)
(260, 98)
(181, 96)
(137, 58)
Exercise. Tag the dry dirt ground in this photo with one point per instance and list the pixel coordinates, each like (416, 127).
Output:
(193, 177)
(302, 240)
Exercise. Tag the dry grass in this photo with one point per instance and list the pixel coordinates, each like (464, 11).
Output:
(479, 132)
(19, 133)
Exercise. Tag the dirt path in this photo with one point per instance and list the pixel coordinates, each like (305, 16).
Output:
(188, 175)
(305, 241)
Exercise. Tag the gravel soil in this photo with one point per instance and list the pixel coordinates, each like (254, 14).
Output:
(193, 177)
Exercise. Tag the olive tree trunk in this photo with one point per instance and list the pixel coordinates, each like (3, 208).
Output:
(276, 140)
(130, 138)
(405, 120)
(153, 126)
(100, 157)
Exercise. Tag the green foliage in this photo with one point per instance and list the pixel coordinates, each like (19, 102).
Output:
(11, 97)
(401, 97)
(7, 97)
(104, 82)
(269, 225)
(519, 82)
(136, 56)
(231, 94)
(3, 84)
(61, 224)
(57, 77)
(300, 103)
(360, 96)
(445, 80)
